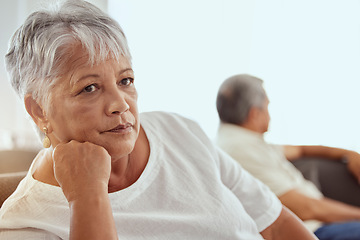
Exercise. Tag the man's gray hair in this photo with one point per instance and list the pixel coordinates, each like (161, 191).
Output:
(41, 47)
(237, 95)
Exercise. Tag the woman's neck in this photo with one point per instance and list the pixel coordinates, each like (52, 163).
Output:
(44, 168)
(126, 171)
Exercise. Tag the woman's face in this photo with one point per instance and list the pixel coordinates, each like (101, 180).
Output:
(97, 104)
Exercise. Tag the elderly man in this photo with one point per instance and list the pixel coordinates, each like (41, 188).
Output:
(242, 106)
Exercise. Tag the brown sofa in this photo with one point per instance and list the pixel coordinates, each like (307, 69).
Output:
(14, 165)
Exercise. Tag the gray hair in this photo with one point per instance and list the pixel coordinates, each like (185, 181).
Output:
(41, 47)
(237, 95)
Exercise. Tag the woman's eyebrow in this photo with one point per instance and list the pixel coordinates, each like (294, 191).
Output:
(87, 76)
(75, 81)
(125, 70)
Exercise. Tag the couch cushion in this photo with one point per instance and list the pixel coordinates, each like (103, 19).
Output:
(16, 160)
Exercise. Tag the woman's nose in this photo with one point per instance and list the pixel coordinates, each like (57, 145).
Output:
(117, 103)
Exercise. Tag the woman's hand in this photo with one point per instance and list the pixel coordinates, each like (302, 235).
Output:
(81, 168)
(83, 171)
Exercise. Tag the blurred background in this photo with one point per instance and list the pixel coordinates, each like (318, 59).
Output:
(307, 52)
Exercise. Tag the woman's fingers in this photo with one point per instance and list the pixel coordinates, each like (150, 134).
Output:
(81, 168)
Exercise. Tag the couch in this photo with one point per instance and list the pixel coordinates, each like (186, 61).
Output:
(14, 165)
(331, 177)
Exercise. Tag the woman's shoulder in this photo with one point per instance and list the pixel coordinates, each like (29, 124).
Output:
(173, 127)
(160, 115)
(171, 123)
(166, 118)
(29, 201)
(31, 194)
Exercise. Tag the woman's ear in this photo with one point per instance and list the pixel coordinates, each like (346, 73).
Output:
(35, 111)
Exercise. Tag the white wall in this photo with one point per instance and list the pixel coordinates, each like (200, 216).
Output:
(12, 117)
(183, 50)
(306, 51)
(16, 129)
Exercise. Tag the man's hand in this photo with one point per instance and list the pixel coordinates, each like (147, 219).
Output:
(353, 159)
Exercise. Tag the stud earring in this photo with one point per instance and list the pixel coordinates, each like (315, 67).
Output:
(46, 141)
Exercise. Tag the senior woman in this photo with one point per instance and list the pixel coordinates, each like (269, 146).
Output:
(109, 173)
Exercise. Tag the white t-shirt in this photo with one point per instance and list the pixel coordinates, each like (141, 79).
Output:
(188, 190)
(266, 162)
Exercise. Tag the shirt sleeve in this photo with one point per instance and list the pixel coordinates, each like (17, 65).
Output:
(257, 199)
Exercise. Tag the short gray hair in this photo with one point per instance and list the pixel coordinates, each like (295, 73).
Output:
(40, 48)
(237, 95)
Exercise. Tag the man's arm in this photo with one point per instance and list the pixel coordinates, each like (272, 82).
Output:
(337, 154)
(325, 209)
(287, 226)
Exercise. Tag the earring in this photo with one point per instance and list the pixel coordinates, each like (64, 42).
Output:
(46, 141)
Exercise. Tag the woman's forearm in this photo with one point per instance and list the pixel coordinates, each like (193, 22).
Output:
(91, 218)
(82, 171)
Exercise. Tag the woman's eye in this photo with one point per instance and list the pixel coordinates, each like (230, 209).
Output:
(126, 81)
(90, 88)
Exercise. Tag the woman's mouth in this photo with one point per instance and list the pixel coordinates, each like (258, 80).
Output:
(122, 129)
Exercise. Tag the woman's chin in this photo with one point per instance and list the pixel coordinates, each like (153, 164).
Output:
(120, 151)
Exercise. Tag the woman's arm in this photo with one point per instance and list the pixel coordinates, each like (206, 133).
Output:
(287, 226)
(83, 171)
(91, 217)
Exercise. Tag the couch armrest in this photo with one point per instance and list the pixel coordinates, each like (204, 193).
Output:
(8, 184)
(331, 177)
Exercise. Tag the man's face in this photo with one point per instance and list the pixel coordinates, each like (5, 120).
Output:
(264, 117)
